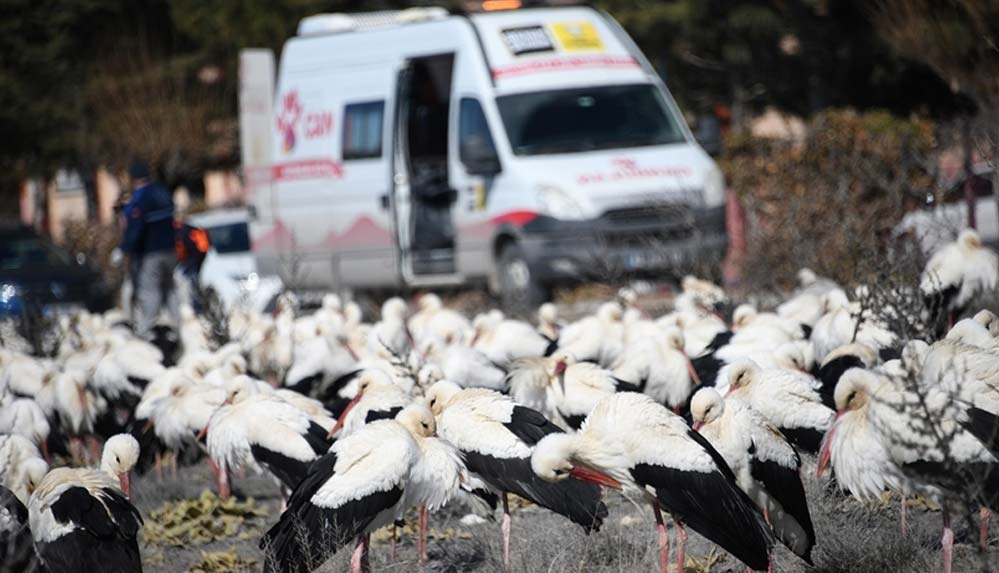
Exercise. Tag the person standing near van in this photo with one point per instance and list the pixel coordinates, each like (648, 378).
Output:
(149, 242)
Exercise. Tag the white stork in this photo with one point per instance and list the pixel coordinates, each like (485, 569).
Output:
(257, 429)
(21, 466)
(81, 519)
(925, 441)
(596, 338)
(630, 442)
(765, 464)
(496, 436)
(463, 365)
(24, 417)
(957, 273)
(505, 340)
(390, 337)
(78, 409)
(354, 489)
(786, 399)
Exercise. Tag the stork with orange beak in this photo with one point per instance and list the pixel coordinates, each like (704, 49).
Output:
(631, 443)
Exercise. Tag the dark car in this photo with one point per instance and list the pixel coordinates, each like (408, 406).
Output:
(37, 274)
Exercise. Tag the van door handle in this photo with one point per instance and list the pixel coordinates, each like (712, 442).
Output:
(383, 200)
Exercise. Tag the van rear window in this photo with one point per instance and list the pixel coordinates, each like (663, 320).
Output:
(584, 119)
(362, 130)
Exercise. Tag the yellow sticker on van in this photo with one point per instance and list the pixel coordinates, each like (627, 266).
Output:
(578, 37)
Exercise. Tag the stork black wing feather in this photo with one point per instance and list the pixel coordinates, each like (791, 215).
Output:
(318, 439)
(625, 386)
(784, 485)
(983, 425)
(530, 425)
(16, 551)
(830, 373)
(576, 500)
(711, 504)
(289, 471)
(307, 534)
(807, 439)
(375, 415)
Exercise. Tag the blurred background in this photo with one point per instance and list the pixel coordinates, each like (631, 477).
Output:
(831, 120)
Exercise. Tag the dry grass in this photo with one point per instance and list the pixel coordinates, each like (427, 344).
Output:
(853, 538)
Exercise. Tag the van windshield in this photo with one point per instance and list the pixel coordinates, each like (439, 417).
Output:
(583, 119)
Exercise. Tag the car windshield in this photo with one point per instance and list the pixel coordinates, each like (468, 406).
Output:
(20, 252)
(232, 238)
(583, 119)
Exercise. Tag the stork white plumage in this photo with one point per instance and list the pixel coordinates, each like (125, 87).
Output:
(504, 340)
(765, 464)
(25, 418)
(193, 334)
(435, 476)
(909, 426)
(434, 320)
(958, 272)
(81, 519)
(548, 321)
(390, 336)
(631, 443)
(354, 489)
(786, 399)
(463, 364)
(319, 361)
(21, 466)
(496, 436)
(596, 338)
(653, 359)
(256, 429)
(377, 398)
(78, 409)
(852, 355)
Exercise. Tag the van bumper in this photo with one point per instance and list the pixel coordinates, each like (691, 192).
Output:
(643, 242)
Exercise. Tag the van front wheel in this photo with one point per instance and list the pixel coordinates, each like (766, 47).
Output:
(519, 290)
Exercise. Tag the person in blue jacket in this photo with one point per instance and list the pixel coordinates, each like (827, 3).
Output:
(149, 242)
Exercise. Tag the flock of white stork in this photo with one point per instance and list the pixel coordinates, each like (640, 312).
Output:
(703, 420)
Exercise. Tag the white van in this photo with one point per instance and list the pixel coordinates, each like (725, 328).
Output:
(523, 147)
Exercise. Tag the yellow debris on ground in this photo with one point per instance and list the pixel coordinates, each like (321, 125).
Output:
(223, 562)
(203, 520)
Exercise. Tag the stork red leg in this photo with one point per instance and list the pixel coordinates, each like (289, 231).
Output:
(663, 539)
(423, 533)
(359, 562)
(158, 466)
(75, 450)
(221, 479)
(947, 542)
(985, 516)
(681, 542)
(506, 534)
(94, 448)
(44, 445)
(392, 554)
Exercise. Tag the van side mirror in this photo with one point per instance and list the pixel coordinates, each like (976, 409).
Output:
(708, 134)
(479, 156)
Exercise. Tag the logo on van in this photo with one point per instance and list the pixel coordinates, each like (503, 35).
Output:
(287, 119)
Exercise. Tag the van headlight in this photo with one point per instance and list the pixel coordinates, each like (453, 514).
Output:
(559, 204)
(714, 187)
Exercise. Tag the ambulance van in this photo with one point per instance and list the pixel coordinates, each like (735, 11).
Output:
(523, 147)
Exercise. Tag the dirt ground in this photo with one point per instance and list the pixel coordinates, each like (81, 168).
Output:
(851, 537)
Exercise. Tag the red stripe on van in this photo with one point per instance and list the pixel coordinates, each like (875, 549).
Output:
(563, 64)
(515, 218)
(307, 169)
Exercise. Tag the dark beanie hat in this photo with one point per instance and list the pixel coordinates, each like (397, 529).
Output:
(139, 169)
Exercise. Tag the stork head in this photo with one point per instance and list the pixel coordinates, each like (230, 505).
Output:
(610, 312)
(240, 388)
(743, 316)
(548, 313)
(554, 460)
(674, 338)
(437, 396)
(394, 310)
(989, 320)
(332, 302)
(969, 240)
(418, 419)
(429, 374)
(33, 471)
(706, 406)
(429, 302)
(807, 277)
(790, 356)
(560, 361)
(235, 364)
(121, 452)
(742, 374)
(854, 389)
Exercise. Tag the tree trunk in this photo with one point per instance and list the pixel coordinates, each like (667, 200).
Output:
(969, 189)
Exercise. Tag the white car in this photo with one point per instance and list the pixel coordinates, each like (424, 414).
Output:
(230, 267)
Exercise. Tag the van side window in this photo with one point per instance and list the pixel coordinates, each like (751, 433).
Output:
(362, 130)
(473, 132)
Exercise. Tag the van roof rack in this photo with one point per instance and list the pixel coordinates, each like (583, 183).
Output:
(339, 23)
